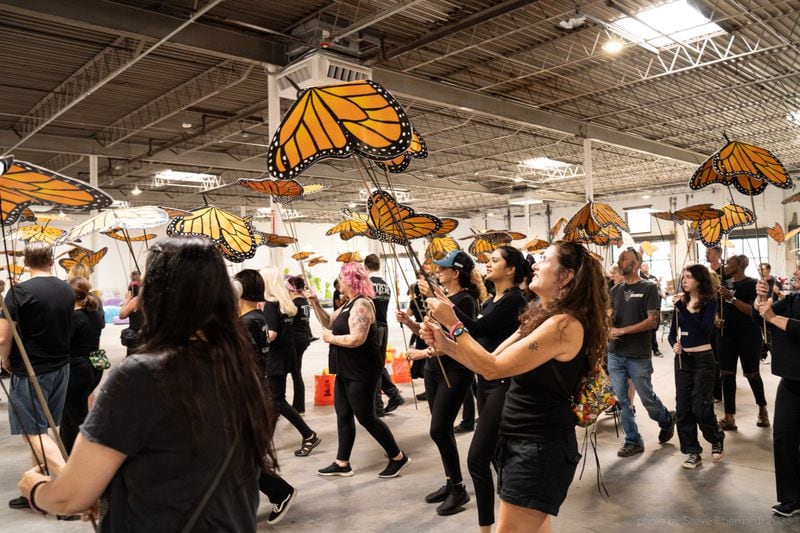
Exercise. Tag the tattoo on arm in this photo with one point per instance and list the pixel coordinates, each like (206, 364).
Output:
(654, 316)
(534, 346)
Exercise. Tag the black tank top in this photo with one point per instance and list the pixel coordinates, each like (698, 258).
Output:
(362, 363)
(537, 406)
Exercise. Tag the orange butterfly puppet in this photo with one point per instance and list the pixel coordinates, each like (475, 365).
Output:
(417, 150)
(232, 234)
(353, 225)
(747, 167)
(23, 184)
(349, 257)
(778, 235)
(271, 240)
(314, 261)
(116, 234)
(439, 247)
(734, 216)
(593, 217)
(282, 191)
(359, 117)
(390, 221)
(302, 256)
(83, 256)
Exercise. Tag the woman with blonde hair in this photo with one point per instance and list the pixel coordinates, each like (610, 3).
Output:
(279, 311)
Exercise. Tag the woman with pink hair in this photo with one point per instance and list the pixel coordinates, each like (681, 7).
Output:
(355, 359)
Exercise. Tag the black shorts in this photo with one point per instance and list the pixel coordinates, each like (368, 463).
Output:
(536, 475)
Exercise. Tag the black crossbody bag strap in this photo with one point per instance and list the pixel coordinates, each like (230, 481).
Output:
(201, 505)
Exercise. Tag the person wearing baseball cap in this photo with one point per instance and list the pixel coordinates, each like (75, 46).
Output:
(456, 259)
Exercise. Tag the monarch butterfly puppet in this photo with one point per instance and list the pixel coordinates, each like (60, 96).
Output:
(534, 245)
(390, 221)
(314, 261)
(594, 216)
(271, 240)
(349, 228)
(359, 117)
(23, 184)
(84, 257)
(36, 232)
(481, 246)
(282, 191)
(734, 216)
(778, 235)
(349, 257)
(15, 270)
(302, 256)
(557, 227)
(116, 235)
(439, 247)
(448, 226)
(418, 150)
(231, 233)
(747, 167)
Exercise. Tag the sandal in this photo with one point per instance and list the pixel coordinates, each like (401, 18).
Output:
(728, 425)
(308, 444)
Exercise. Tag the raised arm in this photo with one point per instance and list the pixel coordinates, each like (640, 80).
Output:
(362, 316)
(324, 318)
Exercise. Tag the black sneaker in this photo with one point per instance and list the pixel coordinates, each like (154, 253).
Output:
(335, 470)
(463, 428)
(438, 495)
(668, 432)
(658, 353)
(393, 403)
(19, 503)
(279, 510)
(693, 461)
(786, 509)
(422, 397)
(717, 451)
(455, 501)
(628, 449)
(394, 467)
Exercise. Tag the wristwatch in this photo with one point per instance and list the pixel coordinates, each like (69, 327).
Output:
(458, 331)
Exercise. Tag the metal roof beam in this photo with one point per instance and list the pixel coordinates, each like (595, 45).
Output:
(455, 97)
(102, 15)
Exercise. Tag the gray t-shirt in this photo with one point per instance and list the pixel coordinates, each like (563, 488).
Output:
(630, 304)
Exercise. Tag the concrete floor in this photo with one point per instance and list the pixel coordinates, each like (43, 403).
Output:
(648, 492)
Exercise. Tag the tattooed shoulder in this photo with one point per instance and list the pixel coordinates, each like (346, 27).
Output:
(534, 346)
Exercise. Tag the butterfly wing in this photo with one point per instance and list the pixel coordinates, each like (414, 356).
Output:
(776, 232)
(282, 191)
(581, 220)
(698, 212)
(396, 223)
(302, 256)
(359, 117)
(225, 229)
(605, 216)
(439, 247)
(737, 159)
(418, 149)
(481, 246)
(35, 232)
(736, 216)
(22, 184)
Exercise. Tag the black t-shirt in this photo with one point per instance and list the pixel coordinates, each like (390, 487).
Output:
(786, 344)
(281, 357)
(537, 404)
(42, 307)
(736, 322)
(465, 305)
(497, 320)
(382, 296)
(163, 477)
(630, 304)
(337, 299)
(86, 329)
(301, 325)
(416, 304)
(362, 363)
(256, 326)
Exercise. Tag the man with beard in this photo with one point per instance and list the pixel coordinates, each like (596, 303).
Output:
(635, 307)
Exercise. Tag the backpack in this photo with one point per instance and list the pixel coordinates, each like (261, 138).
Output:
(593, 397)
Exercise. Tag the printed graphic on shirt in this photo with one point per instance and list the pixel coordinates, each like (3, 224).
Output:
(631, 294)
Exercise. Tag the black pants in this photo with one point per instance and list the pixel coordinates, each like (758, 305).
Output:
(386, 385)
(356, 400)
(83, 379)
(694, 382)
(444, 404)
(746, 348)
(717, 373)
(468, 414)
(277, 393)
(786, 437)
(274, 487)
(654, 340)
(299, 399)
(491, 397)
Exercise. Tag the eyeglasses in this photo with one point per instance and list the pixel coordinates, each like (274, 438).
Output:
(635, 253)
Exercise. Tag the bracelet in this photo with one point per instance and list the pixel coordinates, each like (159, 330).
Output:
(32, 501)
(455, 326)
(458, 331)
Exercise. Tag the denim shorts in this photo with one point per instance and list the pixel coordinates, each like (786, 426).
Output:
(22, 418)
(536, 475)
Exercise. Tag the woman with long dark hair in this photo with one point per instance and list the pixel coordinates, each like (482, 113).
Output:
(564, 333)
(301, 328)
(88, 322)
(279, 311)
(180, 432)
(250, 286)
(357, 362)
(455, 275)
(690, 337)
(497, 320)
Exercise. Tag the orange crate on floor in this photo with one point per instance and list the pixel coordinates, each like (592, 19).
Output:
(323, 389)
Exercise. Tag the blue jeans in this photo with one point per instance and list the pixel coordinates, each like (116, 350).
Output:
(638, 370)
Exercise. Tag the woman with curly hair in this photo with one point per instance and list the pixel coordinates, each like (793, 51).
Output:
(563, 333)
(690, 337)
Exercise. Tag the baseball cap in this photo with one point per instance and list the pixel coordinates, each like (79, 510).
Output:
(455, 259)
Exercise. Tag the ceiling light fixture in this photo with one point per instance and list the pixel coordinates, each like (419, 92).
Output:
(136, 191)
(613, 46)
(517, 179)
(543, 163)
(793, 117)
(186, 124)
(646, 196)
